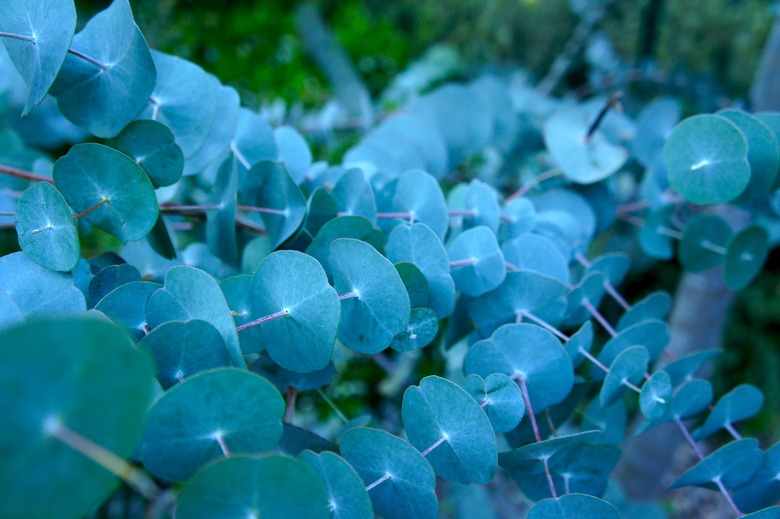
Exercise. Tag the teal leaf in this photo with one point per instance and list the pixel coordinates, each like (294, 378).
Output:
(732, 465)
(97, 385)
(582, 339)
(590, 289)
(537, 253)
(746, 253)
(702, 234)
(518, 218)
(160, 239)
(355, 227)
(482, 200)
(284, 379)
(272, 487)
(763, 152)
(152, 146)
(237, 294)
(295, 440)
(653, 307)
(407, 490)
(302, 339)
(109, 74)
(656, 396)
(419, 245)
(654, 124)
(420, 332)
(92, 174)
(37, 291)
(415, 283)
(684, 368)
(763, 488)
(45, 228)
(44, 30)
(216, 413)
(574, 506)
(268, 185)
(126, 306)
(419, 194)
(707, 159)
(355, 196)
(223, 128)
(528, 351)
(582, 160)
(500, 397)
(773, 512)
(293, 152)
(9, 311)
(691, 398)
(629, 367)
(253, 140)
(347, 497)
(190, 293)
(441, 414)
(221, 223)
(739, 404)
(181, 349)
(184, 99)
(611, 421)
(522, 291)
(479, 264)
(109, 278)
(380, 309)
(613, 266)
(654, 235)
(653, 335)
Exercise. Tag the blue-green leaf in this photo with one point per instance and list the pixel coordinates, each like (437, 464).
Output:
(739, 404)
(628, 367)
(354, 195)
(407, 487)
(439, 414)
(302, 339)
(380, 307)
(355, 227)
(217, 413)
(706, 156)
(126, 306)
(109, 278)
(92, 174)
(272, 487)
(181, 349)
(477, 262)
(44, 30)
(347, 497)
(418, 194)
(703, 244)
(108, 77)
(45, 228)
(653, 307)
(656, 396)
(152, 146)
(500, 397)
(732, 465)
(37, 291)
(420, 332)
(746, 252)
(528, 351)
(574, 506)
(97, 388)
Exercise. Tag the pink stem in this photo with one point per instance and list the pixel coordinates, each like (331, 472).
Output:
(262, 320)
(600, 318)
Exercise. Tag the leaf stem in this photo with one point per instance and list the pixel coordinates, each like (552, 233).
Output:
(610, 288)
(88, 59)
(18, 37)
(689, 438)
(613, 100)
(534, 182)
(728, 497)
(87, 211)
(544, 324)
(219, 437)
(292, 395)
(332, 405)
(392, 216)
(436, 444)
(733, 432)
(520, 377)
(462, 263)
(379, 481)
(462, 212)
(105, 458)
(174, 208)
(511, 266)
(26, 175)
(268, 210)
(270, 317)
(717, 249)
(600, 318)
(349, 295)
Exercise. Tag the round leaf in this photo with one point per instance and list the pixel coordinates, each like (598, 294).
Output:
(152, 146)
(528, 351)
(628, 368)
(213, 414)
(181, 349)
(420, 332)
(92, 174)
(479, 264)
(110, 278)
(706, 157)
(746, 252)
(354, 196)
(574, 506)
(500, 397)
(45, 228)
(273, 487)
(653, 307)
(418, 194)
(702, 234)
(407, 491)
(415, 282)
(763, 152)
(438, 412)
(537, 253)
(302, 340)
(97, 385)
(732, 465)
(739, 404)
(103, 93)
(356, 227)
(656, 396)
(347, 497)
(126, 306)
